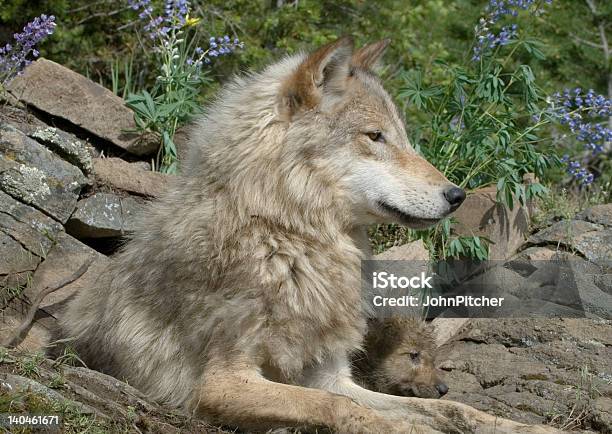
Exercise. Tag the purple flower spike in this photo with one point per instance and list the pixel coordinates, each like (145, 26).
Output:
(13, 57)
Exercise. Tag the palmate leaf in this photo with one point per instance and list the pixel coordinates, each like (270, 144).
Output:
(415, 92)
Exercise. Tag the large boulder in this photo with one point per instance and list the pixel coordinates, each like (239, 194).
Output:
(34, 175)
(481, 215)
(103, 215)
(58, 91)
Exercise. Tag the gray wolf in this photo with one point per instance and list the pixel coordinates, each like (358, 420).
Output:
(238, 295)
(399, 358)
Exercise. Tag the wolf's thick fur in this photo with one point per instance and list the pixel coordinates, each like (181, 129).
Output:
(399, 358)
(238, 295)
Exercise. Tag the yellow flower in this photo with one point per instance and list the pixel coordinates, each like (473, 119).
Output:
(190, 22)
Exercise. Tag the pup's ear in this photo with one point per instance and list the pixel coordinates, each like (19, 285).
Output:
(324, 72)
(368, 56)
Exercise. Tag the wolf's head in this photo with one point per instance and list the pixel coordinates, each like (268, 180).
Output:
(402, 353)
(346, 126)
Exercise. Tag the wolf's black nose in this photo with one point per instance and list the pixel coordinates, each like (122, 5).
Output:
(442, 389)
(455, 196)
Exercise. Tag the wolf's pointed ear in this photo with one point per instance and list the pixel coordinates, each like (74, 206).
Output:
(368, 56)
(324, 72)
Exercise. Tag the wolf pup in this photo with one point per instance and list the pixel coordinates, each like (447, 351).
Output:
(399, 358)
(238, 294)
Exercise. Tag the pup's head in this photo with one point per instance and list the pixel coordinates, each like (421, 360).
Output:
(403, 355)
(345, 124)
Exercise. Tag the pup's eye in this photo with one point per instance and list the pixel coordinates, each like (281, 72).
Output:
(414, 355)
(376, 136)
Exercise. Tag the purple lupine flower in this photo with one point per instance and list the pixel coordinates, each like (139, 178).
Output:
(14, 57)
(579, 112)
(581, 174)
(221, 46)
(176, 12)
(486, 39)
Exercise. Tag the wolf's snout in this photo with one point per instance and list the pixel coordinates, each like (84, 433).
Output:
(442, 388)
(454, 196)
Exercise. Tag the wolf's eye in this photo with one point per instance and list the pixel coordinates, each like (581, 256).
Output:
(376, 136)
(414, 355)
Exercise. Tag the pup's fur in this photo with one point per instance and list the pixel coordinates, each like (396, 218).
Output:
(238, 295)
(399, 358)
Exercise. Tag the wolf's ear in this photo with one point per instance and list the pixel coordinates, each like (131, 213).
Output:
(324, 72)
(368, 56)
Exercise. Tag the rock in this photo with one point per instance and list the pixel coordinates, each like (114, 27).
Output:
(414, 251)
(563, 232)
(481, 215)
(60, 92)
(64, 259)
(36, 176)
(39, 334)
(66, 146)
(16, 263)
(590, 239)
(531, 369)
(446, 328)
(119, 174)
(602, 417)
(537, 254)
(596, 247)
(103, 215)
(26, 236)
(600, 214)
(86, 400)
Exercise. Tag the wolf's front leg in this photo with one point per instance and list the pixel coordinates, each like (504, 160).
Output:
(238, 395)
(447, 416)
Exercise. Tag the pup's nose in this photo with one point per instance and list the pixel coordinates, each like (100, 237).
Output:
(455, 197)
(442, 389)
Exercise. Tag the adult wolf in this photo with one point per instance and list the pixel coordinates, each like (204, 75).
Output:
(238, 295)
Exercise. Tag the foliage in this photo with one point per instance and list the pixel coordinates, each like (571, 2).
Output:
(173, 99)
(482, 123)
(565, 49)
(14, 57)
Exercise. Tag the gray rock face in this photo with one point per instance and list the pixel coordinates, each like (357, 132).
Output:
(36, 176)
(600, 214)
(103, 215)
(65, 258)
(26, 236)
(61, 92)
(66, 146)
(564, 232)
(594, 241)
(596, 247)
(533, 370)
